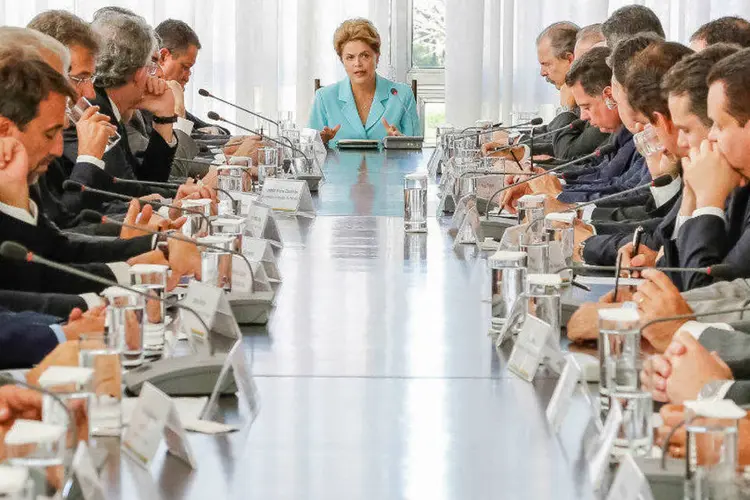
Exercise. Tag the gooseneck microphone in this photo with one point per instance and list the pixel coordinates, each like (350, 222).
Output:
(719, 271)
(693, 316)
(604, 150)
(572, 125)
(217, 117)
(497, 128)
(174, 185)
(15, 251)
(206, 93)
(95, 217)
(661, 181)
(69, 185)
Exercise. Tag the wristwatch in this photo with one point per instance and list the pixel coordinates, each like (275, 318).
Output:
(165, 120)
(162, 242)
(579, 250)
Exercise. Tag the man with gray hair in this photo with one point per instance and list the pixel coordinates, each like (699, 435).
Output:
(588, 37)
(631, 20)
(126, 80)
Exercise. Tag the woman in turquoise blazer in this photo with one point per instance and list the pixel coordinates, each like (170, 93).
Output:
(364, 105)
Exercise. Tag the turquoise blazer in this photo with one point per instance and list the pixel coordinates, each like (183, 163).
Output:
(334, 105)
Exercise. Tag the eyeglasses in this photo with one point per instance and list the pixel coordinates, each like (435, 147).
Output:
(80, 81)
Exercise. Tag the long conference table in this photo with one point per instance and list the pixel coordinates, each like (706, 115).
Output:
(376, 375)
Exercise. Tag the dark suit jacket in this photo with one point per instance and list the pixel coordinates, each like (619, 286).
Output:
(705, 241)
(732, 346)
(46, 240)
(120, 160)
(25, 338)
(55, 304)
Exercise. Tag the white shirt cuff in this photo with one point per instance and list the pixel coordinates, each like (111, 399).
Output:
(588, 212)
(184, 125)
(59, 333)
(696, 328)
(718, 212)
(721, 392)
(91, 159)
(121, 270)
(92, 300)
(679, 222)
(173, 142)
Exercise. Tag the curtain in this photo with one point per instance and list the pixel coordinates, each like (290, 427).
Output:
(500, 50)
(262, 54)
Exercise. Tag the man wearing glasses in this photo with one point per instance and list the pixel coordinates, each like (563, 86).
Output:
(127, 78)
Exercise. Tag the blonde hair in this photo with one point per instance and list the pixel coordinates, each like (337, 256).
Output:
(356, 29)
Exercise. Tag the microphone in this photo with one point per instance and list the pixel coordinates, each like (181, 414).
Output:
(661, 181)
(15, 251)
(174, 185)
(217, 117)
(719, 271)
(96, 217)
(496, 128)
(570, 126)
(604, 150)
(206, 93)
(69, 185)
(692, 316)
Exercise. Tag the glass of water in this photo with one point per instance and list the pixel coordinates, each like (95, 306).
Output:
(619, 353)
(196, 212)
(536, 247)
(125, 322)
(230, 182)
(543, 296)
(530, 208)
(415, 203)
(561, 235)
(635, 434)
(233, 227)
(647, 142)
(508, 278)
(74, 112)
(73, 387)
(268, 164)
(216, 263)
(103, 357)
(152, 278)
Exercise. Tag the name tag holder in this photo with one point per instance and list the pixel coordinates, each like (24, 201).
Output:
(559, 403)
(630, 483)
(155, 419)
(461, 210)
(289, 196)
(597, 451)
(470, 232)
(259, 250)
(262, 224)
(213, 307)
(84, 474)
(528, 351)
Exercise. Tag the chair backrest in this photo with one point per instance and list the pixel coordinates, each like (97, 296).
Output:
(318, 86)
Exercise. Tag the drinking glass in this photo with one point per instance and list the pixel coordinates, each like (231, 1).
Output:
(415, 203)
(647, 142)
(561, 235)
(152, 278)
(74, 112)
(619, 353)
(216, 264)
(73, 387)
(124, 322)
(530, 208)
(196, 225)
(508, 278)
(536, 247)
(103, 357)
(231, 227)
(267, 164)
(635, 434)
(543, 296)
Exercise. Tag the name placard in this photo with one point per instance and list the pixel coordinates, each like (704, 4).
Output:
(84, 473)
(212, 305)
(630, 483)
(154, 419)
(558, 406)
(529, 348)
(261, 224)
(470, 231)
(288, 195)
(597, 456)
(259, 250)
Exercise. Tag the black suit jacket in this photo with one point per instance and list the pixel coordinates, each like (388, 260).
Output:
(25, 338)
(705, 241)
(120, 160)
(55, 304)
(45, 239)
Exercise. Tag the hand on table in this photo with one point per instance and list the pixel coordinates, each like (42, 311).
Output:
(692, 367)
(645, 258)
(657, 297)
(184, 259)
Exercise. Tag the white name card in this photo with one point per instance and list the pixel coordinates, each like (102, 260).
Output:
(212, 305)
(598, 454)
(470, 231)
(529, 348)
(247, 390)
(629, 483)
(288, 195)
(155, 418)
(242, 278)
(558, 406)
(85, 474)
(259, 250)
(261, 224)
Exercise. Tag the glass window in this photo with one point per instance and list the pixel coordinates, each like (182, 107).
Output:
(434, 115)
(428, 34)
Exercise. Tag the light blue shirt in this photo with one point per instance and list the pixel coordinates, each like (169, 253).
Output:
(334, 105)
